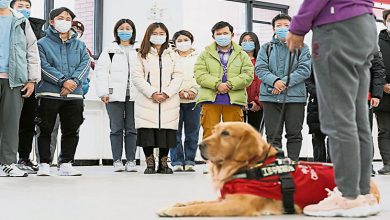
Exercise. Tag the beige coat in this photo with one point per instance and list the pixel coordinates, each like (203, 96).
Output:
(189, 83)
(149, 78)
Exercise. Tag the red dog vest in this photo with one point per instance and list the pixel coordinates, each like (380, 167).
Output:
(310, 180)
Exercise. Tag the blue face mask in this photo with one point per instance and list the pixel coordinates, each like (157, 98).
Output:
(281, 32)
(5, 3)
(125, 35)
(223, 40)
(25, 12)
(248, 46)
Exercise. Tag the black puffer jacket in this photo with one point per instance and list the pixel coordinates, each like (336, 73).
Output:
(37, 25)
(384, 46)
(377, 82)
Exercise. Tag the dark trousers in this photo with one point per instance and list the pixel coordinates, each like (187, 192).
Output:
(292, 118)
(254, 119)
(71, 117)
(190, 121)
(27, 127)
(383, 121)
(320, 149)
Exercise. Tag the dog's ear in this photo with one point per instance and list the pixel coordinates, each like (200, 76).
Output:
(249, 146)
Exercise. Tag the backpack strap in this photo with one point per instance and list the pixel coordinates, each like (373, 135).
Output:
(268, 51)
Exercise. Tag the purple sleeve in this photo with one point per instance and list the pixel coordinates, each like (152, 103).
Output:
(303, 21)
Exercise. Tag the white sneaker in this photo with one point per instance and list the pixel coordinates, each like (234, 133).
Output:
(118, 166)
(66, 169)
(43, 169)
(335, 205)
(189, 168)
(373, 203)
(11, 171)
(178, 168)
(130, 166)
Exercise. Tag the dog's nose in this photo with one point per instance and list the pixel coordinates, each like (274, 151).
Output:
(202, 147)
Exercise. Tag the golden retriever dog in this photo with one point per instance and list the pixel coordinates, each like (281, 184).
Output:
(234, 146)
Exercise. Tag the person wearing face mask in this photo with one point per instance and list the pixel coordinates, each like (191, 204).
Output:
(254, 109)
(183, 157)
(115, 87)
(65, 65)
(158, 77)
(272, 68)
(223, 71)
(19, 71)
(26, 123)
(382, 112)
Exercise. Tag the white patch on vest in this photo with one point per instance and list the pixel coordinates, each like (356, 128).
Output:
(332, 10)
(307, 169)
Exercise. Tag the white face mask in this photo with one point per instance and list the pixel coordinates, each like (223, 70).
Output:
(158, 39)
(62, 26)
(184, 46)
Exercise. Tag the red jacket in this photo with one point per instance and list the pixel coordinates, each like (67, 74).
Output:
(254, 89)
(310, 180)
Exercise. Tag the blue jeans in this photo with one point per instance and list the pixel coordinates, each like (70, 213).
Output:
(191, 120)
(122, 124)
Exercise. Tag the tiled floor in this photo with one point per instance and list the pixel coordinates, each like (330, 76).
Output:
(102, 194)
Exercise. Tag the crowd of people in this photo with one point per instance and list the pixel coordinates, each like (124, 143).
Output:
(154, 92)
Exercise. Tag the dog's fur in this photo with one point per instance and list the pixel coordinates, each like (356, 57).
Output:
(232, 146)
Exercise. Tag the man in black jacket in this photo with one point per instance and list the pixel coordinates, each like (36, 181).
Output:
(377, 82)
(26, 123)
(383, 110)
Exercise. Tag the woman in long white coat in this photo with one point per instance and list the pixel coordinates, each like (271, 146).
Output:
(158, 78)
(115, 88)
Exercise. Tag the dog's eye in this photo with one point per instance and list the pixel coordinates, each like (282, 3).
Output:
(224, 133)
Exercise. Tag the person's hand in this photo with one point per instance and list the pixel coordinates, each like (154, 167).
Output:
(191, 95)
(386, 89)
(70, 85)
(255, 107)
(275, 91)
(294, 41)
(65, 91)
(182, 94)
(375, 102)
(105, 99)
(223, 88)
(29, 88)
(158, 97)
(280, 85)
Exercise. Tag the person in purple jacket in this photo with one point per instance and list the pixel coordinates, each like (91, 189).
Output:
(344, 41)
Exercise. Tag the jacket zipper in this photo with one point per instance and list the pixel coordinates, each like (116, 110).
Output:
(159, 104)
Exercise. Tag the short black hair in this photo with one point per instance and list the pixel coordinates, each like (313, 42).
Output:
(385, 14)
(220, 25)
(12, 4)
(280, 17)
(55, 12)
(118, 24)
(185, 33)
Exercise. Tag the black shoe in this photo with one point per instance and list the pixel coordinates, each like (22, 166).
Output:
(163, 167)
(385, 170)
(28, 166)
(150, 165)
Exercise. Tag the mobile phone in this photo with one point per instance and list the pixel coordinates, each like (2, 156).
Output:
(23, 92)
(250, 105)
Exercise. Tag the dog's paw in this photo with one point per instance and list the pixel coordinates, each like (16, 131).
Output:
(168, 212)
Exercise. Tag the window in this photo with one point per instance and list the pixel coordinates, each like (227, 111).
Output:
(38, 9)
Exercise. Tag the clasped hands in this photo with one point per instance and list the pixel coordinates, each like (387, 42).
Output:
(68, 87)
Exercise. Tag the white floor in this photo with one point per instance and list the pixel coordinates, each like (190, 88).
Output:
(101, 194)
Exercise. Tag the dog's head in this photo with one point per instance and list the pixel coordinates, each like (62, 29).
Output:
(232, 145)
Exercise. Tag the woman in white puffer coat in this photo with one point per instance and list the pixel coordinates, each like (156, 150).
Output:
(158, 78)
(115, 88)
